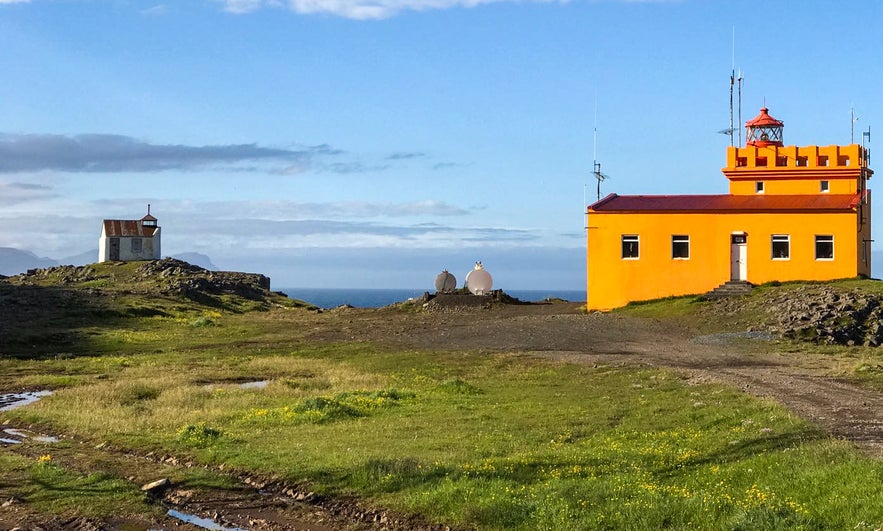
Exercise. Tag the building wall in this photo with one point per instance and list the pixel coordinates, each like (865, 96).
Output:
(796, 170)
(150, 248)
(789, 186)
(613, 281)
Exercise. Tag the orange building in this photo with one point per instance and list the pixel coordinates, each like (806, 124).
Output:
(792, 213)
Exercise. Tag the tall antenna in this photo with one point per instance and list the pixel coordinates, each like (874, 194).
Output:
(740, 107)
(596, 166)
(734, 81)
(852, 120)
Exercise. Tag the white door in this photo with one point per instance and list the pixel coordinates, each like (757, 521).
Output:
(738, 257)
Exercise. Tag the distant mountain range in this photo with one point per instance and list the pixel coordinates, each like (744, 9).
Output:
(14, 261)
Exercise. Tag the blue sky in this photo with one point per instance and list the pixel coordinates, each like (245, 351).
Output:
(335, 143)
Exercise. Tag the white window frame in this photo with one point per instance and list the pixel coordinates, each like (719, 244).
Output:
(824, 238)
(680, 239)
(824, 186)
(780, 238)
(759, 187)
(631, 238)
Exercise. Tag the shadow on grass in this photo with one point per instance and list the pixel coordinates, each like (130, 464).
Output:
(744, 449)
(45, 322)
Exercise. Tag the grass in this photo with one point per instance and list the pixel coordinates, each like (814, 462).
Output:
(51, 488)
(491, 441)
(494, 442)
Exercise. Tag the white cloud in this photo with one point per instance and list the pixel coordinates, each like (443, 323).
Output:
(14, 1)
(358, 9)
(241, 6)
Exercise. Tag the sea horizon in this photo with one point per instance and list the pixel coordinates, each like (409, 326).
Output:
(378, 297)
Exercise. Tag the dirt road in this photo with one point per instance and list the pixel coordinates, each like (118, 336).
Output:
(561, 331)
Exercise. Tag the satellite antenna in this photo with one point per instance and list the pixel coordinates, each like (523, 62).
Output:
(479, 281)
(445, 282)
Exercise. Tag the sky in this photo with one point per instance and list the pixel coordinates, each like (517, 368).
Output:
(374, 143)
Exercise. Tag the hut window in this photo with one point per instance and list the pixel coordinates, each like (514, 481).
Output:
(136, 245)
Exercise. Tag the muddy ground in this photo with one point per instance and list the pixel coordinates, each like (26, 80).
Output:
(557, 331)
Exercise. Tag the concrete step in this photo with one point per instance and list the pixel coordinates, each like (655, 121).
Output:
(729, 289)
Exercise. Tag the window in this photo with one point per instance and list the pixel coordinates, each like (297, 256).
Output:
(781, 247)
(822, 160)
(781, 161)
(758, 187)
(136, 245)
(824, 247)
(824, 186)
(801, 161)
(680, 246)
(629, 246)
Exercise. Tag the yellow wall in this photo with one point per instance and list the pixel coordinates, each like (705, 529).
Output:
(779, 186)
(796, 170)
(613, 281)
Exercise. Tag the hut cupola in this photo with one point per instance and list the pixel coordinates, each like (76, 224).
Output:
(148, 220)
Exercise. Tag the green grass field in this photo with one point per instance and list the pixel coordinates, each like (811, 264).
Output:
(490, 441)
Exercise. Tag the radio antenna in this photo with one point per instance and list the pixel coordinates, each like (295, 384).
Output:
(734, 80)
(596, 166)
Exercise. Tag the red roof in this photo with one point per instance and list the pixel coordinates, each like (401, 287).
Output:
(764, 119)
(725, 203)
(116, 228)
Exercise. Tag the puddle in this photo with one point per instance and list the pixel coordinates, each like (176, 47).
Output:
(25, 434)
(254, 385)
(14, 400)
(205, 523)
(257, 384)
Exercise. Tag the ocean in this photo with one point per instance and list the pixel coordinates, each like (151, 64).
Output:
(375, 298)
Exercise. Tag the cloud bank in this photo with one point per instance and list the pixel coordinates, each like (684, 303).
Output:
(101, 153)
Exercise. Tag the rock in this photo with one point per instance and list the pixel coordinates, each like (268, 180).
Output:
(157, 485)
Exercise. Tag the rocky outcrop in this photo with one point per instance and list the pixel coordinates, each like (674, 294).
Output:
(193, 281)
(824, 313)
(463, 300)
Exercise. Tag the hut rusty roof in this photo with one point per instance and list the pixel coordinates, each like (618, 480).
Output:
(117, 228)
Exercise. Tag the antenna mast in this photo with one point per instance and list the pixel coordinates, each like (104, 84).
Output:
(732, 81)
(596, 166)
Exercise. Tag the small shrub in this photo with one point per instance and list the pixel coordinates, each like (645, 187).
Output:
(202, 322)
(322, 409)
(138, 393)
(459, 387)
(198, 435)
